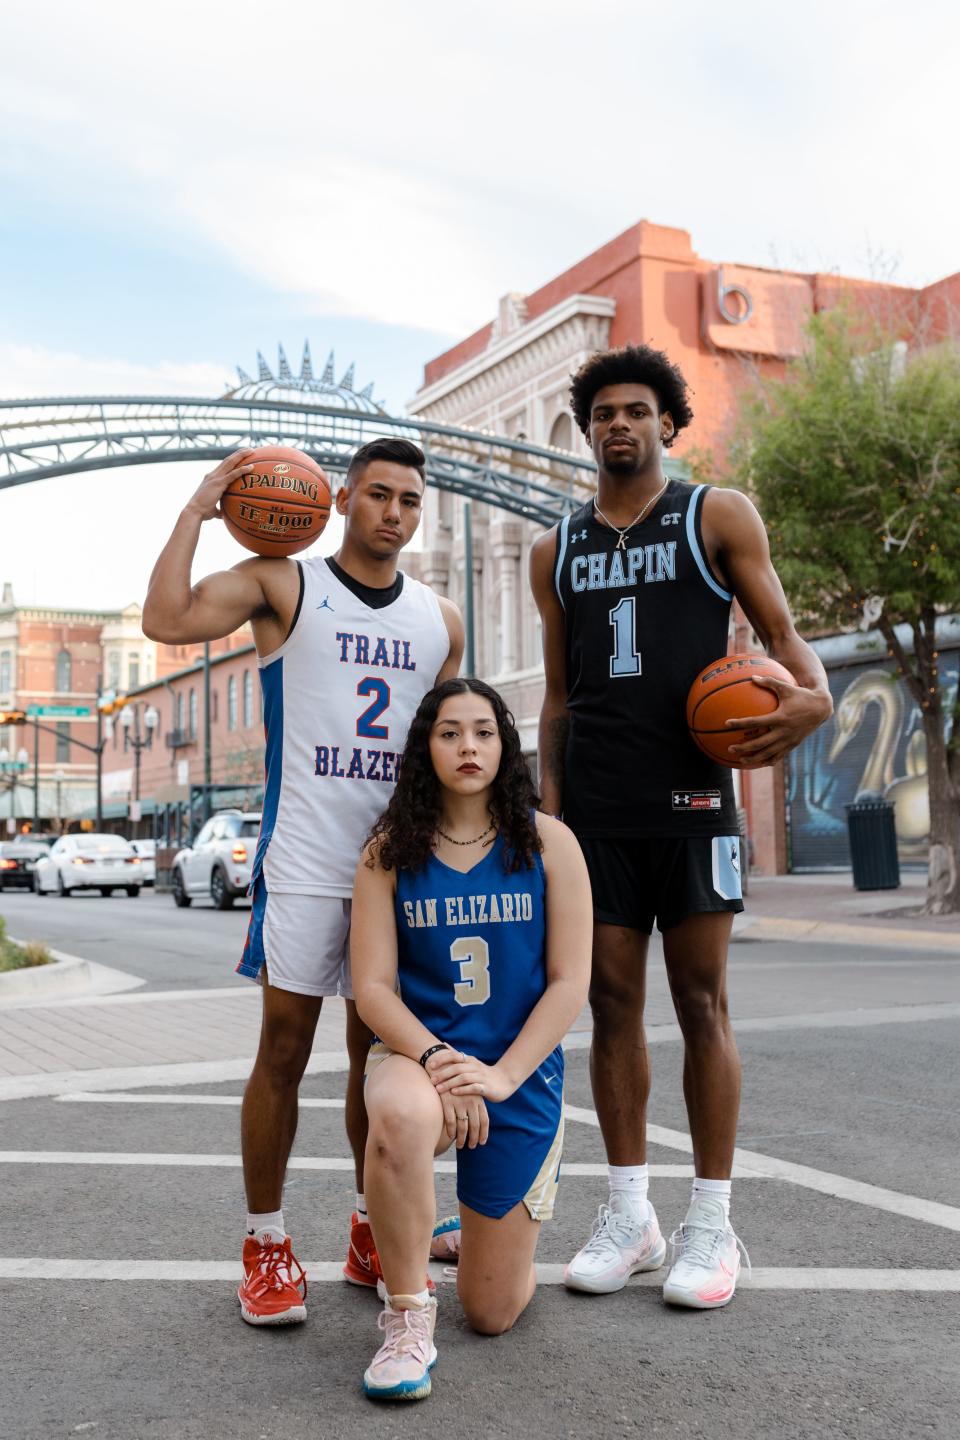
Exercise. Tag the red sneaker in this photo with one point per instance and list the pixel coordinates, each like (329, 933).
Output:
(363, 1262)
(274, 1287)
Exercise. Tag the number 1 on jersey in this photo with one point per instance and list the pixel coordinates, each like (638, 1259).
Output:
(625, 659)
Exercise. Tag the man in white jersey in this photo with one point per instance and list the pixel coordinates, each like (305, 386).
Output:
(347, 648)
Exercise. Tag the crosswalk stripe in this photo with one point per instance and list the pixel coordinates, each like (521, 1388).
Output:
(330, 1271)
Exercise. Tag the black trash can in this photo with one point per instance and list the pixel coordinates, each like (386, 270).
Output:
(873, 843)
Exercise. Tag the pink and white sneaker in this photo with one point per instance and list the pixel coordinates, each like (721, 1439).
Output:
(400, 1370)
(620, 1246)
(705, 1258)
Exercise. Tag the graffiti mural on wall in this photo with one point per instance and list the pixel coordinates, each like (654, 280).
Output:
(874, 744)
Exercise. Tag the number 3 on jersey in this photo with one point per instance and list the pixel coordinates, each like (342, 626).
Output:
(625, 659)
(380, 691)
(472, 954)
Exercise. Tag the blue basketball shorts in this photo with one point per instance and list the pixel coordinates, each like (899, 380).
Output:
(521, 1158)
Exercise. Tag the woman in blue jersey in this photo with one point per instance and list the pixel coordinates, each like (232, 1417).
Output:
(470, 952)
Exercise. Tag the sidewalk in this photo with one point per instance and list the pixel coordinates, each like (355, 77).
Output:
(144, 1037)
(827, 908)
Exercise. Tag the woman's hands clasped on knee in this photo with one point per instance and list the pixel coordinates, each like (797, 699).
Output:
(460, 1075)
(465, 1120)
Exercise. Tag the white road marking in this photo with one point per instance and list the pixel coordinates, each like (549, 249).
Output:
(114, 1097)
(211, 1072)
(931, 1212)
(331, 1271)
(173, 1160)
(815, 1020)
(130, 1077)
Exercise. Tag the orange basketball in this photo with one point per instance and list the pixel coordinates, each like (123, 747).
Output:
(725, 691)
(281, 506)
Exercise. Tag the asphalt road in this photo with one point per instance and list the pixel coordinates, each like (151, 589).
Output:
(825, 1087)
(150, 937)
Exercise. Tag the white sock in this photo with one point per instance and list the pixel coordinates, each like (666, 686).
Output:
(422, 1300)
(714, 1189)
(632, 1182)
(267, 1227)
(361, 1206)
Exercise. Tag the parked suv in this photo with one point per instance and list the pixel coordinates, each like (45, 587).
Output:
(219, 863)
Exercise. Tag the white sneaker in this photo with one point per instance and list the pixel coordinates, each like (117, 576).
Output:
(620, 1246)
(400, 1370)
(705, 1258)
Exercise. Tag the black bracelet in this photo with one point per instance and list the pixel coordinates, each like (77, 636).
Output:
(432, 1051)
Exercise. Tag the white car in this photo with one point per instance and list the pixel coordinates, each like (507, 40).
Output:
(89, 862)
(147, 850)
(219, 863)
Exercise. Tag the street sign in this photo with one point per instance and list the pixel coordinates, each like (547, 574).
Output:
(134, 810)
(59, 712)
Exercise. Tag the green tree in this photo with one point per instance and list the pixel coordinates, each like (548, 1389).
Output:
(854, 460)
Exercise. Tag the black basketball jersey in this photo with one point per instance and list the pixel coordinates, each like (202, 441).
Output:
(642, 621)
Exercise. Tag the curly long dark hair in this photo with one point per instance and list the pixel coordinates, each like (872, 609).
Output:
(403, 837)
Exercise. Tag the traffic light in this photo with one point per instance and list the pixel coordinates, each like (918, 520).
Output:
(13, 717)
(110, 704)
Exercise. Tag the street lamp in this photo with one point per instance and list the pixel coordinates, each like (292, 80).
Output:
(59, 776)
(130, 719)
(13, 765)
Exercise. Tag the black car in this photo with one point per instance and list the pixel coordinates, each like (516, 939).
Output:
(17, 859)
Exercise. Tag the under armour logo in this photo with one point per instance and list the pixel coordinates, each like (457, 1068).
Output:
(735, 858)
(325, 603)
(578, 535)
(673, 518)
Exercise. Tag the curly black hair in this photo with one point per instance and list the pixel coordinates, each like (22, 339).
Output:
(403, 837)
(631, 365)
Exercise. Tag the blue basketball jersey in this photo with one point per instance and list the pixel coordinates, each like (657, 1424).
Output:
(471, 950)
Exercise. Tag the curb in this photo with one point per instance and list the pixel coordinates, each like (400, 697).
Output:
(68, 975)
(837, 933)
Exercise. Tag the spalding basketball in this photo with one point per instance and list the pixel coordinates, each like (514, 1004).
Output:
(281, 506)
(725, 691)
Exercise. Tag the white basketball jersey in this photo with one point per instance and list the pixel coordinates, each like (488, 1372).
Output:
(338, 698)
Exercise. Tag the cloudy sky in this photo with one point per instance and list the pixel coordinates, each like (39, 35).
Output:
(184, 185)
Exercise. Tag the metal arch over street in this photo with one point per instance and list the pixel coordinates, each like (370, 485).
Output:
(71, 434)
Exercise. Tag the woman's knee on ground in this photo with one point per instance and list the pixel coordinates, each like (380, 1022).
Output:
(494, 1313)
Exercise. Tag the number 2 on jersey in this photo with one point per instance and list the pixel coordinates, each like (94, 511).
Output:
(625, 659)
(365, 726)
(472, 954)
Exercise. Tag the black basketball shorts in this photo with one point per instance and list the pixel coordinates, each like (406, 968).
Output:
(639, 881)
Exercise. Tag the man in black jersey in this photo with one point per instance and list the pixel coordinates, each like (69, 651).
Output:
(634, 592)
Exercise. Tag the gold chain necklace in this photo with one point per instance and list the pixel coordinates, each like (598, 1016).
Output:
(622, 534)
(464, 842)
